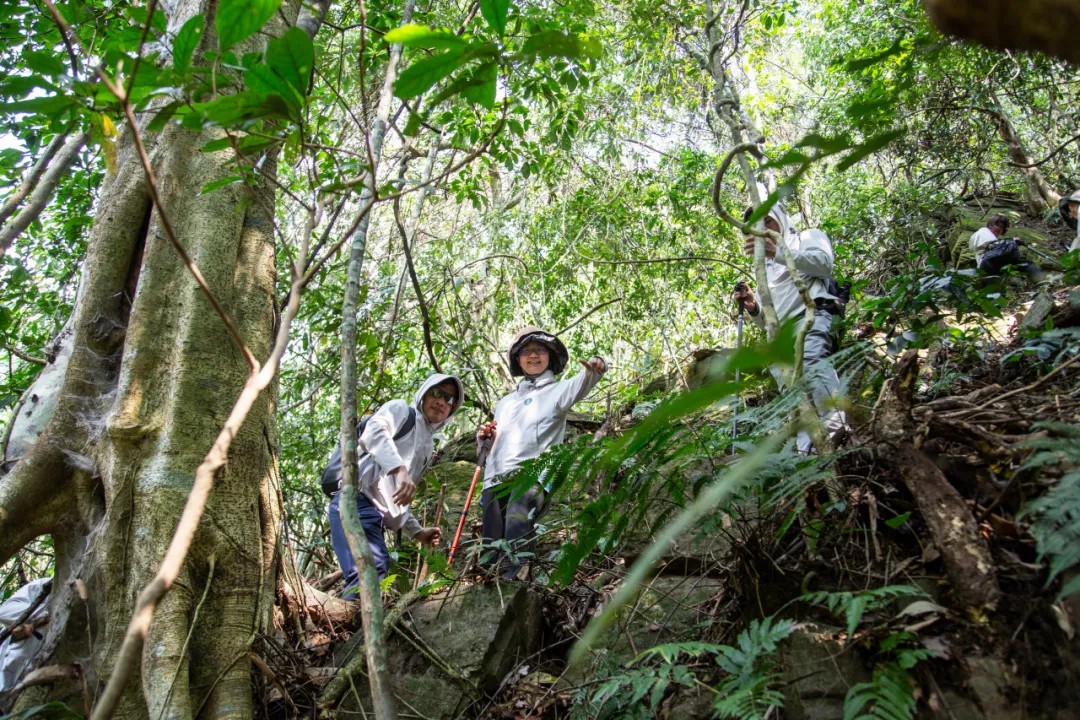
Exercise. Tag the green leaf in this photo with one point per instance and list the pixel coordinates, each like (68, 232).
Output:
(423, 36)
(421, 75)
(495, 12)
(50, 106)
(261, 79)
(186, 41)
(554, 43)
(898, 521)
(220, 183)
(44, 63)
(480, 86)
(5, 318)
(292, 57)
(868, 148)
(858, 64)
(238, 19)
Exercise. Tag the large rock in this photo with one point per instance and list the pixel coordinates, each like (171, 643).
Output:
(818, 671)
(457, 646)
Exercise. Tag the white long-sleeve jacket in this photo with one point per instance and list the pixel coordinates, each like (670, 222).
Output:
(384, 453)
(532, 419)
(813, 255)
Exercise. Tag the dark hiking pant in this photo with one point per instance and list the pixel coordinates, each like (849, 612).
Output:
(510, 517)
(372, 522)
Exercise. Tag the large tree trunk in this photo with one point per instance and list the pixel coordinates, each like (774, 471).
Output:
(151, 378)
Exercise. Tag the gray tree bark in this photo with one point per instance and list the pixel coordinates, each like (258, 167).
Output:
(146, 389)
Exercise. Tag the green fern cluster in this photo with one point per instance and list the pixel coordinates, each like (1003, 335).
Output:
(890, 694)
(1055, 517)
(852, 605)
(750, 685)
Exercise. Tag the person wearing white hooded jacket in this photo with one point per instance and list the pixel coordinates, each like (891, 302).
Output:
(812, 253)
(528, 421)
(388, 468)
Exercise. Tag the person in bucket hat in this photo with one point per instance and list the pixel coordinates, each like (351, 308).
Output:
(527, 422)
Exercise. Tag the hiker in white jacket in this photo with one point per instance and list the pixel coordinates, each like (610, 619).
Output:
(812, 255)
(388, 469)
(527, 422)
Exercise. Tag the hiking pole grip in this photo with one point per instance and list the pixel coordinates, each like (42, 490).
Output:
(481, 460)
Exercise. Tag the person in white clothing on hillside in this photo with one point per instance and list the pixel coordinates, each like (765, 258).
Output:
(394, 451)
(812, 254)
(994, 253)
(527, 422)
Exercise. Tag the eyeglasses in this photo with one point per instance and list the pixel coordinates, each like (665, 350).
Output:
(448, 397)
(534, 350)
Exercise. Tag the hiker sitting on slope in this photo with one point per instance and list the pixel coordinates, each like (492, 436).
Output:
(528, 421)
(812, 253)
(994, 253)
(391, 456)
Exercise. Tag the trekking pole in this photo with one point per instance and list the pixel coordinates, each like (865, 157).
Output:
(738, 346)
(481, 458)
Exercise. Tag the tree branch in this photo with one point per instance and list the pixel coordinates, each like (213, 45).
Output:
(42, 192)
(32, 176)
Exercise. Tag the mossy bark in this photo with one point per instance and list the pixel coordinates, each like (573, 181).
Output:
(151, 378)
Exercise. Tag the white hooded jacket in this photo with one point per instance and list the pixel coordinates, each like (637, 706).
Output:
(532, 419)
(813, 255)
(413, 450)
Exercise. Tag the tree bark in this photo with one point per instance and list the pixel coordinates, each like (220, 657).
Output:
(147, 388)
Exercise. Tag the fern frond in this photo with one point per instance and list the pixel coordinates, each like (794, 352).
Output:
(1055, 517)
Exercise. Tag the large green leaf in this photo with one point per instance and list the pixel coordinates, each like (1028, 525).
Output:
(44, 63)
(291, 57)
(421, 75)
(555, 43)
(425, 37)
(186, 41)
(480, 87)
(495, 12)
(237, 19)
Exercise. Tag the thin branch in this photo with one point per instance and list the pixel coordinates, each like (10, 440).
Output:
(581, 319)
(406, 239)
(42, 192)
(32, 176)
(1046, 159)
(23, 356)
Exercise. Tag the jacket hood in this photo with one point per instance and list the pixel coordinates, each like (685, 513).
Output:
(559, 355)
(780, 215)
(433, 380)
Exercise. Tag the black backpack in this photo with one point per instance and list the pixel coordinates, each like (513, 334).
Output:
(331, 476)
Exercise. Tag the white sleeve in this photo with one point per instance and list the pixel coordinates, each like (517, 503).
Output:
(575, 389)
(813, 257)
(378, 437)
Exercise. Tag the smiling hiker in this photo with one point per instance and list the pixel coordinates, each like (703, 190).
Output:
(812, 253)
(395, 448)
(527, 422)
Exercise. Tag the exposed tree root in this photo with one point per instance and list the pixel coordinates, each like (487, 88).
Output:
(967, 558)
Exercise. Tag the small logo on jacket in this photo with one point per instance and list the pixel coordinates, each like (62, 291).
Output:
(527, 401)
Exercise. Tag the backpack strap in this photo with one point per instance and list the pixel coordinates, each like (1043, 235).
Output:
(407, 426)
